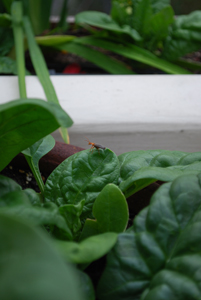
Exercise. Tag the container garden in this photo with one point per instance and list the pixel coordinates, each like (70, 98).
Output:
(91, 232)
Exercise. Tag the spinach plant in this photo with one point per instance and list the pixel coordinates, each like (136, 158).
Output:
(145, 31)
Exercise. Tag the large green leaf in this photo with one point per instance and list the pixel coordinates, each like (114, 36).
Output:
(25, 121)
(142, 14)
(133, 52)
(184, 37)
(31, 263)
(104, 21)
(105, 62)
(82, 176)
(160, 257)
(140, 168)
(88, 250)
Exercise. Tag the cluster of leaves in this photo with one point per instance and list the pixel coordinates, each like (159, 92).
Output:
(84, 210)
(145, 31)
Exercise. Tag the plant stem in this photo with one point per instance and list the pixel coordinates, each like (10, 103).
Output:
(17, 14)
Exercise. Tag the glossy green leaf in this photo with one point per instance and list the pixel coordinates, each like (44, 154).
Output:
(160, 258)
(135, 53)
(105, 62)
(185, 36)
(21, 117)
(140, 168)
(5, 20)
(111, 210)
(88, 250)
(82, 176)
(86, 285)
(29, 260)
(104, 21)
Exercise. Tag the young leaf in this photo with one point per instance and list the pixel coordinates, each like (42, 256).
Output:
(82, 176)
(35, 153)
(140, 168)
(72, 213)
(111, 210)
(160, 259)
(88, 250)
(20, 117)
(30, 261)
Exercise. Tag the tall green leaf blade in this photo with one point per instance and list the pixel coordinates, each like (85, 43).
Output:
(160, 260)
(140, 168)
(30, 261)
(141, 16)
(41, 69)
(21, 117)
(104, 21)
(135, 53)
(105, 62)
(82, 176)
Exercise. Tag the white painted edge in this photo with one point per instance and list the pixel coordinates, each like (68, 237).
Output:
(121, 103)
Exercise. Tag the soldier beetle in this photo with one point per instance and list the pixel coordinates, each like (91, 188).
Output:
(94, 145)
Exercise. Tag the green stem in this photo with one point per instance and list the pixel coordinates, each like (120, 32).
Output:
(17, 14)
(36, 173)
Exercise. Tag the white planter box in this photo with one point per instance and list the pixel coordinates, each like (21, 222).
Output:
(125, 113)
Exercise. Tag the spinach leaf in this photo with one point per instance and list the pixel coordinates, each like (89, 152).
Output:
(184, 36)
(86, 285)
(110, 210)
(20, 117)
(140, 168)
(88, 250)
(30, 261)
(82, 176)
(104, 21)
(15, 202)
(160, 257)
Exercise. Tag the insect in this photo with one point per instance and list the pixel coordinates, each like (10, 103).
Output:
(94, 145)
